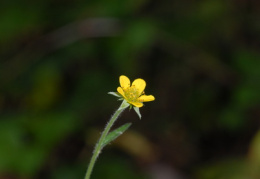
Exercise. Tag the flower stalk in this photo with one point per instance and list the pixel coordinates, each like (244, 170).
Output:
(103, 136)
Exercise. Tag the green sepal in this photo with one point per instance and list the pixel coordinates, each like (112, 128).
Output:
(124, 105)
(138, 112)
(115, 133)
(115, 94)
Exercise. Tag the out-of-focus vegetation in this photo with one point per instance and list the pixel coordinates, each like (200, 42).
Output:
(201, 61)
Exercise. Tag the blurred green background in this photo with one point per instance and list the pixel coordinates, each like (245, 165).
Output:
(200, 59)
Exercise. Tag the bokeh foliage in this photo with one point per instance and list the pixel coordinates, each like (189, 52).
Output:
(58, 60)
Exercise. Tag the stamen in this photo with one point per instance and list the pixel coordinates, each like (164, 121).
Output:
(132, 93)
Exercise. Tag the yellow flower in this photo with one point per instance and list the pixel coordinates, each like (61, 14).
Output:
(134, 94)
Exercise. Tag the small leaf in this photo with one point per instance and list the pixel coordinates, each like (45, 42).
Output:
(138, 112)
(115, 94)
(115, 133)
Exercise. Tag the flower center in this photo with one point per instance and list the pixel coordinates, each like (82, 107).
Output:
(131, 93)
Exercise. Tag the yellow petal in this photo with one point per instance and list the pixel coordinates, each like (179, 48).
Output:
(124, 81)
(137, 104)
(121, 91)
(146, 98)
(139, 85)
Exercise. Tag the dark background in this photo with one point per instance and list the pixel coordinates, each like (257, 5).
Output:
(200, 59)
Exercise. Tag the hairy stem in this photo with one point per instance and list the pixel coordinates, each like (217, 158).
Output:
(98, 146)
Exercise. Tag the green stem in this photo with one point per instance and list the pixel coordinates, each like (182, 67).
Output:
(98, 146)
